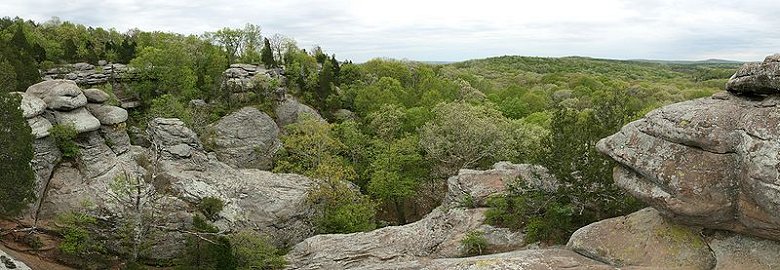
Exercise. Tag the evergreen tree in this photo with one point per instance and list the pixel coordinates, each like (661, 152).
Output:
(324, 89)
(70, 50)
(336, 70)
(7, 76)
(267, 55)
(126, 51)
(17, 178)
(19, 55)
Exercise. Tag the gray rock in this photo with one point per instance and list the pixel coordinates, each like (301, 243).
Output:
(539, 259)
(291, 111)
(32, 106)
(83, 66)
(167, 133)
(736, 251)
(102, 62)
(138, 137)
(95, 95)
(643, 239)
(475, 186)
(63, 95)
(40, 126)
(247, 138)
(437, 235)
(47, 156)
(757, 78)
(107, 114)
(95, 157)
(80, 118)
(10, 263)
(116, 137)
(706, 162)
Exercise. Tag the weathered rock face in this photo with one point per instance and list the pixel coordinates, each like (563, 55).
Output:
(40, 126)
(757, 78)
(736, 251)
(87, 74)
(241, 79)
(477, 186)
(32, 106)
(290, 111)
(437, 235)
(61, 95)
(80, 118)
(107, 114)
(710, 162)
(9, 263)
(96, 95)
(643, 239)
(247, 138)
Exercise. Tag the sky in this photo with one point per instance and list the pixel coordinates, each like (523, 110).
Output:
(454, 30)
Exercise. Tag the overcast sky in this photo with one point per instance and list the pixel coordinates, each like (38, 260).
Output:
(453, 30)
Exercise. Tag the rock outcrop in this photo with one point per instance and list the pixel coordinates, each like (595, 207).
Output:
(757, 78)
(291, 111)
(87, 74)
(243, 80)
(247, 138)
(709, 162)
(437, 235)
(532, 259)
(9, 263)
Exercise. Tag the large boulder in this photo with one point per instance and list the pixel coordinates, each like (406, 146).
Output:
(80, 118)
(39, 126)
(757, 78)
(63, 95)
(291, 111)
(710, 162)
(10, 263)
(643, 239)
(736, 251)
(173, 137)
(107, 114)
(116, 137)
(32, 106)
(475, 187)
(95, 95)
(247, 138)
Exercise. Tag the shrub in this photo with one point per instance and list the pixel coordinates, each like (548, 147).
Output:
(474, 243)
(210, 207)
(252, 251)
(64, 137)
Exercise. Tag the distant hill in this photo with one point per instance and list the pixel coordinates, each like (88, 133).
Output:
(684, 62)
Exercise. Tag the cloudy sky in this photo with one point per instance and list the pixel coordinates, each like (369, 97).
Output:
(451, 30)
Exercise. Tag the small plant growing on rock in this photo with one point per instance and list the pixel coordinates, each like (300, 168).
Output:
(210, 207)
(474, 243)
(64, 136)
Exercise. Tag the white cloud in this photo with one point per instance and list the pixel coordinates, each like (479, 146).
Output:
(457, 30)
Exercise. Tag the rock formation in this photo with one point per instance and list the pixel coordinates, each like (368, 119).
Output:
(291, 111)
(9, 263)
(437, 235)
(87, 74)
(241, 80)
(247, 138)
(757, 78)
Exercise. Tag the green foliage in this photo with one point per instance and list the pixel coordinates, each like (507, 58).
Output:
(165, 69)
(168, 106)
(64, 137)
(342, 208)
(397, 170)
(16, 151)
(210, 207)
(252, 251)
(474, 244)
(267, 55)
(80, 245)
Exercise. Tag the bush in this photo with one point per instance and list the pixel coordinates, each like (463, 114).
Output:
(252, 251)
(64, 136)
(474, 243)
(210, 207)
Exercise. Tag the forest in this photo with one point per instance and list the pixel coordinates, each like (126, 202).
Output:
(395, 129)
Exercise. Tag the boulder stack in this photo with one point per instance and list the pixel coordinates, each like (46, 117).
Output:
(757, 78)
(247, 138)
(243, 80)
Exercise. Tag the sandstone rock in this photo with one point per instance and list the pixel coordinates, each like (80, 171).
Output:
(47, 156)
(95, 95)
(107, 114)
(736, 251)
(477, 186)
(643, 239)
(138, 137)
(116, 137)
(61, 95)
(40, 126)
(95, 157)
(83, 66)
(539, 259)
(9, 263)
(706, 162)
(291, 111)
(172, 136)
(438, 235)
(247, 138)
(757, 78)
(32, 106)
(80, 118)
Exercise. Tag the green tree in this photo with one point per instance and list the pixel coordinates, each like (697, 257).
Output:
(7, 76)
(267, 54)
(253, 252)
(16, 175)
(167, 69)
(398, 169)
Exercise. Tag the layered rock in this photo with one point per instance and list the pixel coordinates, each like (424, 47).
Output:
(437, 235)
(757, 78)
(709, 162)
(62, 95)
(247, 138)
(532, 259)
(243, 80)
(87, 74)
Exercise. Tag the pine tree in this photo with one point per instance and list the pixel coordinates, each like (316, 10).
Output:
(70, 50)
(325, 86)
(17, 178)
(267, 55)
(336, 70)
